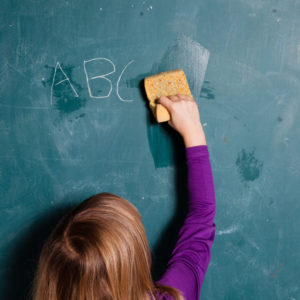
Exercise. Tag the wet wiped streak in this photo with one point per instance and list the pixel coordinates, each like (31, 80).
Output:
(186, 54)
(248, 165)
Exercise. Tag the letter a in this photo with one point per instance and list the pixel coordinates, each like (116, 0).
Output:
(65, 79)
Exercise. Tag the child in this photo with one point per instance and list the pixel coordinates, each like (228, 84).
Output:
(100, 251)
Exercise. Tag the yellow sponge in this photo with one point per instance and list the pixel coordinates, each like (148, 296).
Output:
(165, 84)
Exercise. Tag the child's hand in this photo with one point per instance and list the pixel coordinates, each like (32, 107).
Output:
(185, 118)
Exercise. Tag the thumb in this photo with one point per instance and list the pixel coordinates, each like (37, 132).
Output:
(171, 124)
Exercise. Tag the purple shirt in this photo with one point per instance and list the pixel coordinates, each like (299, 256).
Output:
(191, 255)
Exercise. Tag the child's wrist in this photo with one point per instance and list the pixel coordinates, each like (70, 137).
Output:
(194, 142)
(195, 138)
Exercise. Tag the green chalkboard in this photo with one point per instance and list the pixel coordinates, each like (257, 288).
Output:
(74, 121)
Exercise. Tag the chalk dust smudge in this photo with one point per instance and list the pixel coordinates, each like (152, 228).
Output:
(229, 230)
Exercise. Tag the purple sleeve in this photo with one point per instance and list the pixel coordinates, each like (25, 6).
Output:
(191, 255)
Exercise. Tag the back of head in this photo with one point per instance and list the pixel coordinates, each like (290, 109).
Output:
(97, 252)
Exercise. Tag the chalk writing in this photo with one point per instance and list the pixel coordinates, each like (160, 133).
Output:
(99, 76)
(60, 82)
(117, 89)
(89, 79)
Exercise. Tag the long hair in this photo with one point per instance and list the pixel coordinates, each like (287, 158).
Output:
(99, 251)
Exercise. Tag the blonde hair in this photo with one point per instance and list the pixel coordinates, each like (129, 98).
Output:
(98, 251)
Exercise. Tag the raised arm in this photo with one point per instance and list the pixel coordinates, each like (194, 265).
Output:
(191, 255)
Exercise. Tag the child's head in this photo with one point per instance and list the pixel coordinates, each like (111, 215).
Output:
(98, 251)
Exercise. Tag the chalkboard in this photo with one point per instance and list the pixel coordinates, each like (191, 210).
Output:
(74, 121)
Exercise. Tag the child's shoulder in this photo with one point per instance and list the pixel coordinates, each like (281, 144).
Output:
(164, 296)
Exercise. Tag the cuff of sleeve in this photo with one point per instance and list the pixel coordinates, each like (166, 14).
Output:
(196, 151)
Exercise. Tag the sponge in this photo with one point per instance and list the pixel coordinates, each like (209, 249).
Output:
(165, 84)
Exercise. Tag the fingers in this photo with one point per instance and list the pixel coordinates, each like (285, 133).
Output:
(185, 97)
(174, 98)
(167, 100)
(180, 97)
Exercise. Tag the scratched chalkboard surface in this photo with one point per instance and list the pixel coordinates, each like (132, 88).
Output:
(74, 121)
